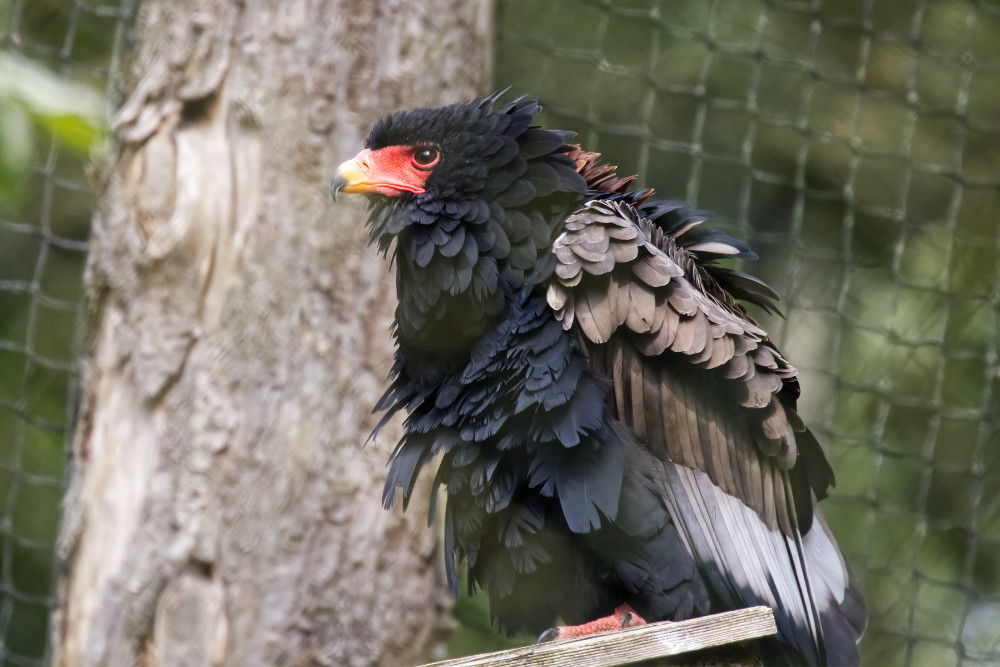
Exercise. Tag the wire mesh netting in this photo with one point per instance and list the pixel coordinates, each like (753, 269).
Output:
(856, 143)
(53, 66)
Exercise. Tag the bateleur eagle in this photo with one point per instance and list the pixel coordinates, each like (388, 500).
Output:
(615, 432)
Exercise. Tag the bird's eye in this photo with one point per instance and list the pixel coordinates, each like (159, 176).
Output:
(425, 158)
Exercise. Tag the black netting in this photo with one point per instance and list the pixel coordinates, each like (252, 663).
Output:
(857, 145)
(53, 71)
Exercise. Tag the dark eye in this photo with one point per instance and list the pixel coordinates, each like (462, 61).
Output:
(426, 157)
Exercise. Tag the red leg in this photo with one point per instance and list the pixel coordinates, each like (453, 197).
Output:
(624, 617)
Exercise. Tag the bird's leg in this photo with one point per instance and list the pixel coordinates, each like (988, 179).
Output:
(624, 617)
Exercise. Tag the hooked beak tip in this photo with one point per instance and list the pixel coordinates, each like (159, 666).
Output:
(337, 184)
(349, 177)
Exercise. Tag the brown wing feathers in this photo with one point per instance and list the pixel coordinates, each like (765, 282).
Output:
(617, 281)
(601, 177)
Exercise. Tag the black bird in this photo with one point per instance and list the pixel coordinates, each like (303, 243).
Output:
(617, 435)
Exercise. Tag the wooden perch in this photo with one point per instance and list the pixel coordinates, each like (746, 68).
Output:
(630, 645)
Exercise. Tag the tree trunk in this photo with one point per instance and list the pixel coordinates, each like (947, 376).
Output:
(223, 508)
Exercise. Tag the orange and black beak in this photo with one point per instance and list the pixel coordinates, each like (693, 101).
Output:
(350, 178)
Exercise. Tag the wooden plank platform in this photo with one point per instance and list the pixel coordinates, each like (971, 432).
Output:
(623, 647)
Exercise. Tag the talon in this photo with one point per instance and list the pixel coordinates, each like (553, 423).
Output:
(629, 619)
(549, 635)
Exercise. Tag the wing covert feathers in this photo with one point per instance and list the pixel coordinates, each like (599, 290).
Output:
(694, 375)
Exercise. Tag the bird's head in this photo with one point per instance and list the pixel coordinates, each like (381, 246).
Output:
(451, 166)
(429, 152)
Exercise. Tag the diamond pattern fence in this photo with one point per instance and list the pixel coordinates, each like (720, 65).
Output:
(856, 144)
(54, 64)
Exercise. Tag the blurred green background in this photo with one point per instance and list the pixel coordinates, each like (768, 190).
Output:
(53, 70)
(855, 143)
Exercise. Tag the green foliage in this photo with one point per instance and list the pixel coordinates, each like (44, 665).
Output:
(17, 151)
(37, 103)
(73, 112)
(475, 633)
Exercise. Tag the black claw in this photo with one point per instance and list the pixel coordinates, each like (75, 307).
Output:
(549, 635)
(626, 619)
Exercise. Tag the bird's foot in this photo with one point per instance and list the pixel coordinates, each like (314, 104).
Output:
(624, 617)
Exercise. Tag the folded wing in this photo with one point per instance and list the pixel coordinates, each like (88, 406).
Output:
(699, 382)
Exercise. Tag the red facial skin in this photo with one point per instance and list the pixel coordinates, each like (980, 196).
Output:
(390, 171)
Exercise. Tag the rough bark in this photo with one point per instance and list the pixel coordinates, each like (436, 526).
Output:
(223, 509)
